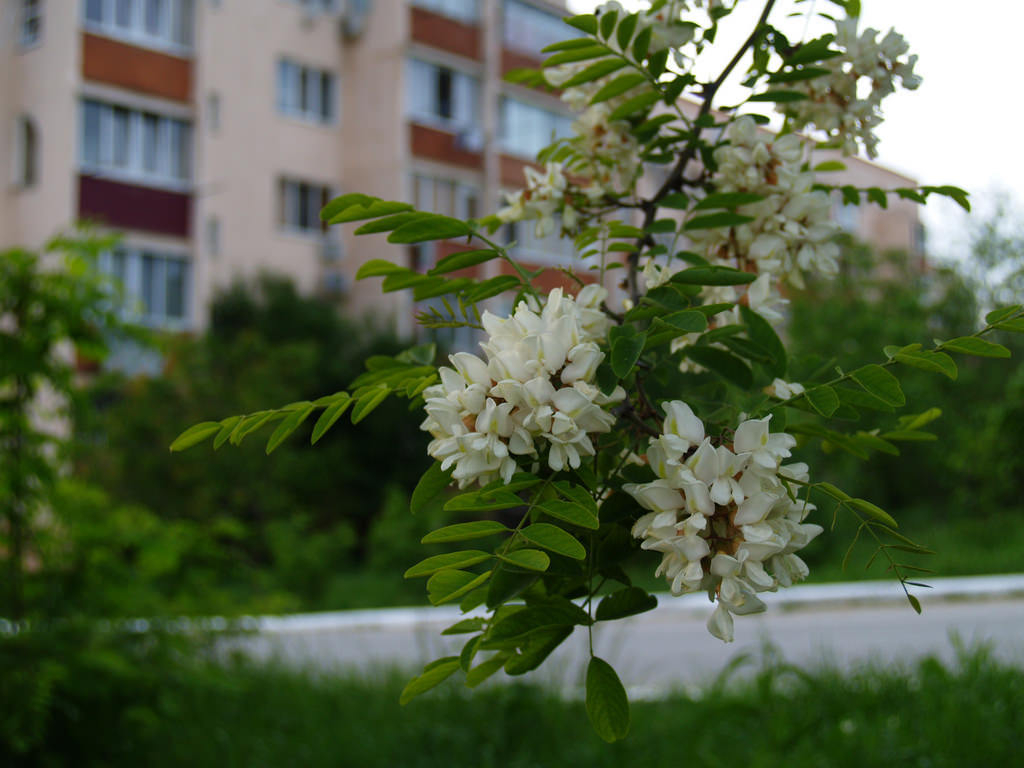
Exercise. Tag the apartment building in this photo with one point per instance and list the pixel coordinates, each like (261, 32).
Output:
(210, 132)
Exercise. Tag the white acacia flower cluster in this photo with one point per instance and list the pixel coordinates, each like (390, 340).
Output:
(722, 516)
(543, 198)
(533, 391)
(791, 232)
(846, 103)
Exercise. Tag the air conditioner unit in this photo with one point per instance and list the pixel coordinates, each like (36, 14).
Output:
(354, 16)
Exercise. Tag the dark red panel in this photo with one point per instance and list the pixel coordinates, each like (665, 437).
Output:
(137, 69)
(440, 32)
(128, 206)
(442, 146)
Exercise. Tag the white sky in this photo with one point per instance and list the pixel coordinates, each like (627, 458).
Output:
(963, 125)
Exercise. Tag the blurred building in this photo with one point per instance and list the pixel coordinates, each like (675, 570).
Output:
(210, 132)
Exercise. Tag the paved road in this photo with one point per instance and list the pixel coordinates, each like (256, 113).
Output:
(670, 647)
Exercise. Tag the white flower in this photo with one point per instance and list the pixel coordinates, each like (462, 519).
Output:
(722, 516)
(784, 390)
(533, 391)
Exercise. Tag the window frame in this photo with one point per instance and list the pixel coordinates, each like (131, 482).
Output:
(32, 14)
(130, 260)
(25, 170)
(174, 164)
(463, 87)
(176, 33)
(301, 89)
(293, 196)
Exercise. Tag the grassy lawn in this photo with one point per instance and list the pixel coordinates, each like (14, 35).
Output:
(969, 715)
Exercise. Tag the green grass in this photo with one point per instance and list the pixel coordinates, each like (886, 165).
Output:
(970, 714)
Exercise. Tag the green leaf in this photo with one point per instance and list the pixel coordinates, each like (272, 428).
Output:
(570, 512)
(908, 435)
(368, 402)
(553, 538)
(914, 602)
(378, 268)
(880, 383)
(727, 200)
(447, 585)
(873, 511)
(465, 626)
(462, 260)
(485, 669)
(625, 602)
(937, 362)
(1002, 313)
(624, 33)
(639, 103)
(463, 531)
(430, 228)
(478, 501)
(291, 422)
(577, 494)
(618, 86)
(429, 290)
(339, 204)
(430, 486)
(433, 674)
(687, 320)
(972, 345)
(227, 426)
(829, 165)
(779, 97)
(552, 612)
(586, 22)
(1016, 325)
(461, 559)
(713, 276)
(197, 433)
(538, 647)
(374, 210)
(568, 45)
(726, 365)
(797, 75)
(823, 399)
(607, 704)
(626, 345)
(592, 51)
(492, 287)
(388, 223)
(832, 491)
(327, 419)
(606, 22)
(594, 71)
(642, 43)
(717, 221)
(530, 559)
(762, 334)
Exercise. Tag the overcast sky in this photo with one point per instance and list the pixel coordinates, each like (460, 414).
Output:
(963, 125)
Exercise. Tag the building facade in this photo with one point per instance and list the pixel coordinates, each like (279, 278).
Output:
(210, 132)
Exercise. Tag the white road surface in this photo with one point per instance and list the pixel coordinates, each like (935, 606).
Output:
(669, 647)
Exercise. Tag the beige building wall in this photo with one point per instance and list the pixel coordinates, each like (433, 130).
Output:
(39, 81)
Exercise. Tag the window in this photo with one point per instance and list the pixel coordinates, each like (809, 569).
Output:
(436, 94)
(299, 205)
(31, 22)
(152, 23)
(466, 11)
(136, 145)
(317, 6)
(305, 92)
(551, 250)
(26, 152)
(526, 129)
(156, 284)
(444, 196)
(528, 29)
